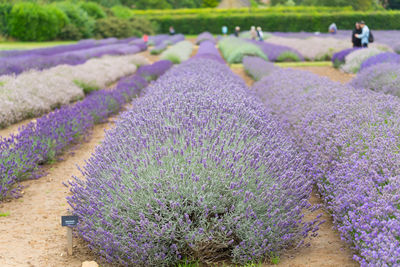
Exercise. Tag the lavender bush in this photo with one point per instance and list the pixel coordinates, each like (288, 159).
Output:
(383, 78)
(279, 53)
(40, 142)
(179, 52)
(196, 170)
(158, 49)
(205, 36)
(338, 58)
(234, 49)
(34, 93)
(387, 57)
(40, 59)
(352, 137)
(257, 67)
(354, 60)
(208, 50)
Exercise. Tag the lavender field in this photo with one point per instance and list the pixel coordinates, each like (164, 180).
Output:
(196, 167)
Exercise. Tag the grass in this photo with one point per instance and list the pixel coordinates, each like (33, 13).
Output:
(31, 45)
(304, 64)
(4, 214)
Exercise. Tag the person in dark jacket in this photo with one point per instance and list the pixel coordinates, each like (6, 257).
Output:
(237, 31)
(356, 41)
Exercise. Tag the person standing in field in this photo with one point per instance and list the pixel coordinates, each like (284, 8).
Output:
(253, 33)
(237, 31)
(356, 41)
(364, 36)
(171, 30)
(260, 34)
(333, 28)
(224, 30)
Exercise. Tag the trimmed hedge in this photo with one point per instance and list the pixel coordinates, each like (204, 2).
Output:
(283, 22)
(114, 27)
(33, 22)
(206, 11)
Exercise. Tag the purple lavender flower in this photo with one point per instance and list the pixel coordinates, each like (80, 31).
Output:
(257, 67)
(197, 169)
(387, 57)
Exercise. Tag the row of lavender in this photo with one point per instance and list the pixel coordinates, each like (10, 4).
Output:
(16, 62)
(41, 142)
(163, 41)
(196, 170)
(352, 137)
(34, 93)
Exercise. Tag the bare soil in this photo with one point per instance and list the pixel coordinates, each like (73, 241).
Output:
(330, 72)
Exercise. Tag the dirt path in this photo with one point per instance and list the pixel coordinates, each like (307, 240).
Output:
(31, 235)
(330, 72)
(327, 249)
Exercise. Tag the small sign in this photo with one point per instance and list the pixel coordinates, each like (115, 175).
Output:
(69, 221)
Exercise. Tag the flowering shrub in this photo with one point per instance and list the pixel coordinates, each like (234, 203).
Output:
(205, 36)
(40, 59)
(354, 60)
(352, 137)
(157, 39)
(383, 78)
(257, 67)
(387, 57)
(279, 53)
(158, 49)
(40, 142)
(178, 52)
(33, 93)
(234, 49)
(208, 50)
(196, 170)
(338, 58)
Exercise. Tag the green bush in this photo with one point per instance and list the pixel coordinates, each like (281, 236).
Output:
(32, 22)
(143, 25)
(70, 32)
(93, 9)
(288, 56)
(234, 49)
(114, 27)
(78, 17)
(5, 10)
(122, 12)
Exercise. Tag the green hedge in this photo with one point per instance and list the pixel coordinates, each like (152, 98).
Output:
(33, 22)
(206, 11)
(284, 22)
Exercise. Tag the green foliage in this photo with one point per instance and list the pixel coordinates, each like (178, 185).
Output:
(144, 26)
(87, 88)
(70, 32)
(4, 214)
(288, 56)
(210, 3)
(394, 4)
(284, 22)
(32, 22)
(234, 50)
(93, 9)
(78, 17)
(5, 10)
(121, 12)
(114, 27)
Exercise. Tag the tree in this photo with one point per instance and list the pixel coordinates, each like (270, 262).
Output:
(394, 4)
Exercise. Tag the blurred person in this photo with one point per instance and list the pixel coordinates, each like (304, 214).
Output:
(145, 38)
(364, 36)
(333, 28)
(171, 30)
(237, 31)
(224, 30)
(357, 30)
(260, 34)
(253, 33)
